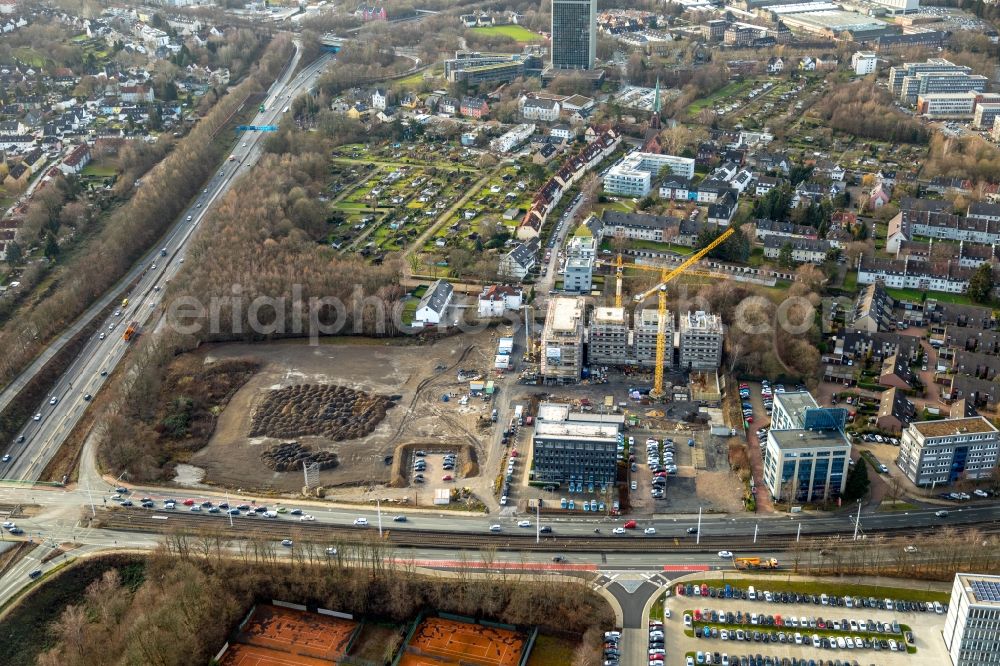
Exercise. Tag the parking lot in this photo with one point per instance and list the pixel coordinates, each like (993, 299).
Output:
(926, 628)
(434, 467)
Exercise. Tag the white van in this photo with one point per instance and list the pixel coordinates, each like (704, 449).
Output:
(752, 594)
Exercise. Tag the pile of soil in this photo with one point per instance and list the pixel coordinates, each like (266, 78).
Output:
(291, 455)
(321, 410)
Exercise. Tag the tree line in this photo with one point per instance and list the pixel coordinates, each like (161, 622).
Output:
(864, 109)
(134, 227)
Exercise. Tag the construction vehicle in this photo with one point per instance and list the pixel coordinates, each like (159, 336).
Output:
(130, 331)
(755, 563)
(669, 274)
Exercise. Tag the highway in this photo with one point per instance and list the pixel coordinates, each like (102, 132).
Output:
(59, 413)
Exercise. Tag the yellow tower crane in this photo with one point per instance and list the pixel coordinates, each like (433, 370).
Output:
(669, 274)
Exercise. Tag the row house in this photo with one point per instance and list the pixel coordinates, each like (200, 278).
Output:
(949, 277)
(909, 223)
(976, 364)
(765, 228)
(811, 250)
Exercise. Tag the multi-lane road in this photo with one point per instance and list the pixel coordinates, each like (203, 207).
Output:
(59, 413)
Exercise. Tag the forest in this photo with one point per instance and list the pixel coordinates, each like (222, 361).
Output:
(864, 109)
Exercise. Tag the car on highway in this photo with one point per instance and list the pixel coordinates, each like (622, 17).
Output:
(618, 530)
(37, 417)
(649, 530)
(524, 523)
(361, 522)
(7, 525)
(399, 519)
(692, 530)
(725, 554)
(496, 528)
(189, 218)
(35, 574)
(331, 552)
(87, 397)
(196, 508)
(104, 373)
(307, 517)
(287, 543)
(629, 525)
(6, 457)
(939, 514)
(53, 400)
(188, 502)
(102, 335)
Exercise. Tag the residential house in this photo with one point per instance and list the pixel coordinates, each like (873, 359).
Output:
(448, 105)
(534, 108)
(981, 393)
(803, 249)
(432, 308)
(474, 107)
(807, 64)
(678, 188)
(380, 99)
(976, 364)
(895, 412)
(136, 94)
(896, 373)
(765, 184)
(775, 65)
(562, 132)
(520, 261)
(499, 298)
(18, 175)
(721, 212)
(765, 228)
(873, 311)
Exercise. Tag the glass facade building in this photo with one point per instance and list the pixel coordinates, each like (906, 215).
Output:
(574, 34)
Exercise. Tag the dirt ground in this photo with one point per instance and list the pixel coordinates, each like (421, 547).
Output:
(419, 374)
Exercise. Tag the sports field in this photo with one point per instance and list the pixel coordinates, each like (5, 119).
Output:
(276, 636)
(513, 31)
(438, 641)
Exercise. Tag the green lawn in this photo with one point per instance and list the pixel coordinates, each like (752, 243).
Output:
(551, 650)
(656, 612)
(99, 171)
(515, 32)
(917, 295)
(731, 89)
(818, 587)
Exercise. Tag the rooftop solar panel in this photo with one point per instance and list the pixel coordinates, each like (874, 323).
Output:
(986, 590)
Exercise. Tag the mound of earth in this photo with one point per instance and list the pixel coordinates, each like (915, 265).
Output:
(290, 456)
(320, 410)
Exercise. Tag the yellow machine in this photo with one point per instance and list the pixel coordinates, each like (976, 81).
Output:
(669, 274)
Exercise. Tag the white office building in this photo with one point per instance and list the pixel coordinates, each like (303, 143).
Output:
(943, 452)
(972, 626)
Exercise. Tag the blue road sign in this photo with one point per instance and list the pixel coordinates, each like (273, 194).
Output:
(257, 128)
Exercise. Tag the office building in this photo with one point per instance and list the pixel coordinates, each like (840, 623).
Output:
(647, 323)
(562, 340)
(985, 115)
(576, 448)
(701, 336)
(955, 106)
(574, 34)
(809, 464)
(475, 68)
(610, 341)
(634, 175)
(942, 452)
(807, 453)
(913, 79)
(972, 626)
(864, 62)
(579, 270)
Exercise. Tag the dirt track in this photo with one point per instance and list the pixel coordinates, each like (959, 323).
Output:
(421, 374)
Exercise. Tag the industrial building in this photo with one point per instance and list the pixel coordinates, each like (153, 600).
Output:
(562, 340)
(634, 175)
(942, 452)
(576, 448)
(972, 626)
(574, 34)
(833, 23)
(701, 335)
(807, 452)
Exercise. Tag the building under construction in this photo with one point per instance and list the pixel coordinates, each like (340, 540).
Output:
(562, 340)
(695, 345)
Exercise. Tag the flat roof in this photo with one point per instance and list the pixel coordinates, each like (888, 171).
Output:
(975, 424)
(565, 313)
(980, 589)
(836, 20)
(808, 439)
(795, 403)
(615, 315)
(572, 430)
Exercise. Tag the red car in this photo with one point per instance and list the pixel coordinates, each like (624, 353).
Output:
(188, 502)
(680, 589)
(704, 589)
(513, 454)
(447, 477)
(749, 419)
(629, 524)
(697, 614)
(744, 385)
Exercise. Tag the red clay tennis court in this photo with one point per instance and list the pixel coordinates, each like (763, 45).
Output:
(275, 636)
(442, 641)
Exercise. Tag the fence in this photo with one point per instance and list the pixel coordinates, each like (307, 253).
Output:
(343, 616)
(285, 604)
(219, 655)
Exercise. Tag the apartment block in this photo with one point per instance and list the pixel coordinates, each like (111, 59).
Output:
(942, 452)
(562, 340)
(578, 273)
(633, 176)
(647, 322)
(864, 62)
(701, 335)
(972, 626)
(611, 341)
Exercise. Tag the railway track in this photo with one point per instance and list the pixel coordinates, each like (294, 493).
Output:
(138, 520)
